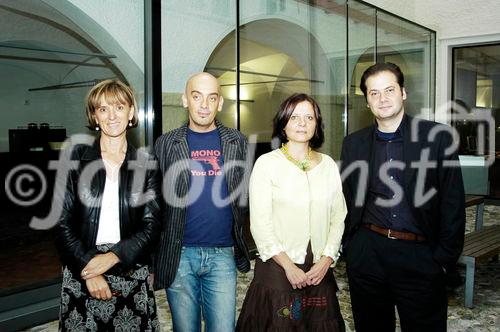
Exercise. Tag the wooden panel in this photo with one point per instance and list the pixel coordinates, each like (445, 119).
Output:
(482, 244)
(478, 241)
(487, 253)
(471, 200)
(477, 234)
(490, 242)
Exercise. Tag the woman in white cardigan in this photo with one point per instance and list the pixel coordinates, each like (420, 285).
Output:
(297, 213)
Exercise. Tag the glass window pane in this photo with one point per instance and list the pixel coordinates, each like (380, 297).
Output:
(197, 38)
(51, 53)
(409, 46)
(476, 116)
(361, 35)
(288, 47)
(376, 36)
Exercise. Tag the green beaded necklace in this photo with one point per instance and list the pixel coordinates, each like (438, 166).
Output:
(302, 164)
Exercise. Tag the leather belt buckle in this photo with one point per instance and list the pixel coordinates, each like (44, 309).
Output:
(390, 236)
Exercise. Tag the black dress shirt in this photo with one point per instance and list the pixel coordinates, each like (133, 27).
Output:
(388, 150)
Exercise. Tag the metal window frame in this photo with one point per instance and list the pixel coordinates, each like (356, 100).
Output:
(152, 71)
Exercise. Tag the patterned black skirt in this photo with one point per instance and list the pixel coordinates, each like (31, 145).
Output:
(132, 307)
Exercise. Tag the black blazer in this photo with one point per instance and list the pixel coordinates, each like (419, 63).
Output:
(76, 230)
(441, 217)
(172, 151)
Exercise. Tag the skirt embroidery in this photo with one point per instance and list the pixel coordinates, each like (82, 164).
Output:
(298, 305)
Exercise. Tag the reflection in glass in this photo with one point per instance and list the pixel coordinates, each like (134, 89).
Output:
(484, 92)
(476, 93)
(476, 86)
(292, 46)
(289, 47)
(409, 46)
(194, 36)
(361, 25)
(387, 38)
(48, 63)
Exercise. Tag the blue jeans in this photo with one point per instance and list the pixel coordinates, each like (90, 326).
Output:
(205, 285)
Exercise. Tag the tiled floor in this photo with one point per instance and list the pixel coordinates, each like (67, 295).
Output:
(483, 317)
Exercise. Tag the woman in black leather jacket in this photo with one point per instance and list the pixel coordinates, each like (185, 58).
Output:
(110, 222)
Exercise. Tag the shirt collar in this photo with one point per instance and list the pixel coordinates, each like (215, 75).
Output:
(390, 136)
(381, 136)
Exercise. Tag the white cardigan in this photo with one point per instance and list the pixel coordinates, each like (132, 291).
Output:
(290, 207)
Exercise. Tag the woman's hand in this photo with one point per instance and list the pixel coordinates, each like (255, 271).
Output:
(296, 276)
(318, 270)
(98, 265)
(98, 288)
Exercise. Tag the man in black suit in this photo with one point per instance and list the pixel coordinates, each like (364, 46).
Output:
(406, 211)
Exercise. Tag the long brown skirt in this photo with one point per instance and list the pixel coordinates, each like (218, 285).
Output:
(271, 304)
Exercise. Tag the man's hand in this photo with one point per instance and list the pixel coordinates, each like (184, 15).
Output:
(98, 288)
(318, 270)
(98, 265)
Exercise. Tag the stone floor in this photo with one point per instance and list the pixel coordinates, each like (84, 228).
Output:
(484, 317)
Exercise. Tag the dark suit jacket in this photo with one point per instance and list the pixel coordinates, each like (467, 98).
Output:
(442, 217)
(172, 151)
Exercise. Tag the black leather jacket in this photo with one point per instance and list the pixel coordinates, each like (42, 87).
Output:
(81, 195)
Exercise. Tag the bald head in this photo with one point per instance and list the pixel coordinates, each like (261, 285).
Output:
(203, 100)
(203, 79)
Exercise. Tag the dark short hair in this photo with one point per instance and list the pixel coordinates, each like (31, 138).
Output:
(285, 112)
(378, 68)
(113, 91)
